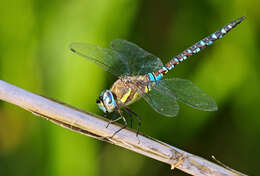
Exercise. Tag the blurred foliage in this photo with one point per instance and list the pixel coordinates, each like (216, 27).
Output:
(35, 36)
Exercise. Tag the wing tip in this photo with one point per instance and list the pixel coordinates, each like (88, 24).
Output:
(215, 108)
(211, 108)
(71, 49)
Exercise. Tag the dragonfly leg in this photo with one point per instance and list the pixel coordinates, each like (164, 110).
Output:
(138, 118)
(111, 120)
(131, 117)
(121, 117)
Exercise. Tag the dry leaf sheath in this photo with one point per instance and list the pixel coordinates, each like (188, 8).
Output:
(95, 126)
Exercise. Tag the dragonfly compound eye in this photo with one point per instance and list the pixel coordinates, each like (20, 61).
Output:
(109, 101)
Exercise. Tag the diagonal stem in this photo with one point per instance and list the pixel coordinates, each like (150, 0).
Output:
(95, 126)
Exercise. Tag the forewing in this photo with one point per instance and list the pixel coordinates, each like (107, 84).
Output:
(186, 92)
(108, 59)
(162, 101)
(139, 61)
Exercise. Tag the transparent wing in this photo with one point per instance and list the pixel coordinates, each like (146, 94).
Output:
(139, 61)
(108, 59)
(162, 101)
(186, 92)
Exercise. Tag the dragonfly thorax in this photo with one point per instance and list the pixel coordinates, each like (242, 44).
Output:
(128, 89)
(106, 101)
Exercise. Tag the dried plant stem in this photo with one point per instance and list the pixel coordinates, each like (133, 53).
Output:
(95, 126)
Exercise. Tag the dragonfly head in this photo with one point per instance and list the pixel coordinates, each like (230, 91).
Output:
(106, 101)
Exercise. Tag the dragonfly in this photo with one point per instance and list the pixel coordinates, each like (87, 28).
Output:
(140, 75)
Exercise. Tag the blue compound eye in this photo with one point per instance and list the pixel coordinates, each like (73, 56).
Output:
(109, 101)
(110, 97)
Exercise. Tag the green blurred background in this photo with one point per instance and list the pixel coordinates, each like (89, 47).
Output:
(34, 40)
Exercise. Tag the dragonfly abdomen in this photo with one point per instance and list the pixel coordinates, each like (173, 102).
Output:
(197, 47)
